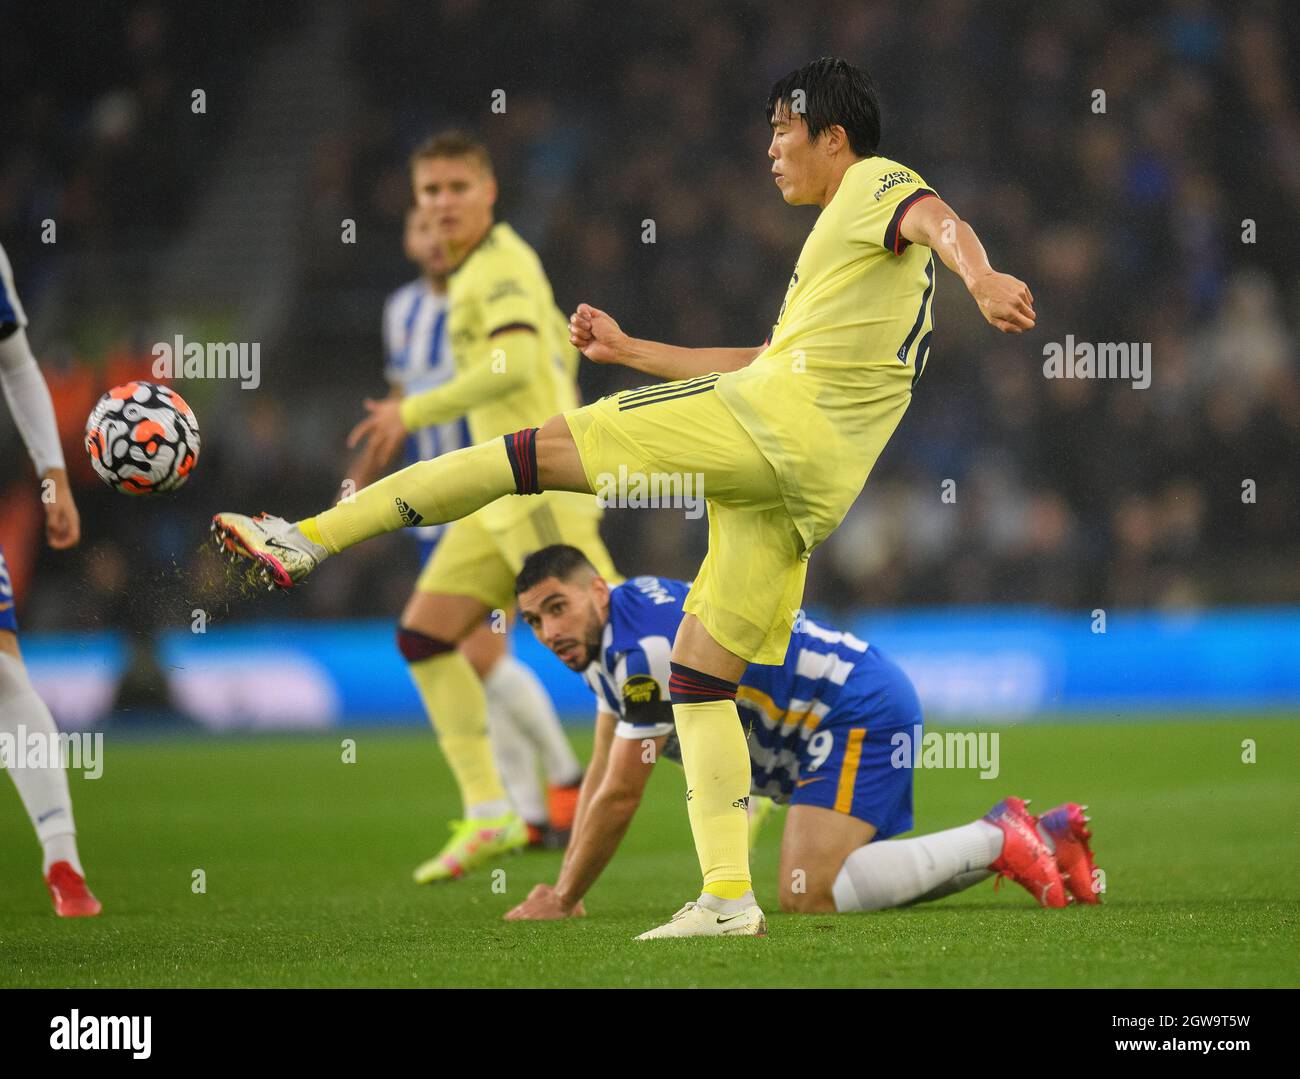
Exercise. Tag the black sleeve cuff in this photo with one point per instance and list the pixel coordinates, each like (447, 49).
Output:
(895, 241)
(510, 327)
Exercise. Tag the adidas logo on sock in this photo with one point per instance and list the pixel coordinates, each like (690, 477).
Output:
(410, 517)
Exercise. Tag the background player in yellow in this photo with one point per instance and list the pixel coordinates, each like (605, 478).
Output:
(784, 434)
(524, 730)
(513, 366)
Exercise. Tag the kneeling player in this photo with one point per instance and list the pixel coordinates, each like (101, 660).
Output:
(820, 732)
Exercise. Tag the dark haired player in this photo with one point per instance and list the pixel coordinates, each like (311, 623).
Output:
(822, 732)
(784, 434)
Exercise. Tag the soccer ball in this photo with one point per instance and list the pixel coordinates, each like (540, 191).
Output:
(143, 439)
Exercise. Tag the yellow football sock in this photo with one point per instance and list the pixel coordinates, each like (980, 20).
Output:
(457, 707)
(728, 889)
(311, 530)
(715, 757)
(443, 489)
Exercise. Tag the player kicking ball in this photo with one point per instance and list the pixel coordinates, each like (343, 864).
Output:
(820, 736)
(44, 791)
(783, 435)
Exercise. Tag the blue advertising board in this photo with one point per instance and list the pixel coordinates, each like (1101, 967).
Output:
(992, 664)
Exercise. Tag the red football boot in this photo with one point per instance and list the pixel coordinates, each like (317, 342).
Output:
(1068, 829)
(562, 805)
(1025, 858)
(72, 899)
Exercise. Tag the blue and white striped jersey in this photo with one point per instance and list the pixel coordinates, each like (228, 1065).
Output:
(632, 667)
(11, 308)
(8, 620)
(417, 357)
(11, 311)
(828, 677)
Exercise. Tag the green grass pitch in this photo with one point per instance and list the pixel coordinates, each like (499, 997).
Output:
(307, 862)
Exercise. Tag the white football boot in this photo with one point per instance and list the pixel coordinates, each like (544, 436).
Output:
(281, 555)
(695, 920)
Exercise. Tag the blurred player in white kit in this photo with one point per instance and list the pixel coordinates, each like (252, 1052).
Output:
(23, 715)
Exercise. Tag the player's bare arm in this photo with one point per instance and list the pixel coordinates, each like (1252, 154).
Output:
(591, 778)
(1005, 301)
(598, 337)
(542, 904)
(370, 464)
(611, 811)
(28, 397)
(604, 824)
(62, 522)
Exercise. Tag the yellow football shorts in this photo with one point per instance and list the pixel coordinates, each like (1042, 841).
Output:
(474, 560)
(748, 590)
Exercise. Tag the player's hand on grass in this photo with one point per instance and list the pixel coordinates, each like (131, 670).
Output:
(1005, 302)
(62, 522)
(383, 428)
(544, 905)
(596, 335)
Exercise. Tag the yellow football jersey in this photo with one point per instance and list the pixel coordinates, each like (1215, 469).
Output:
(501, 284)
(851, 338)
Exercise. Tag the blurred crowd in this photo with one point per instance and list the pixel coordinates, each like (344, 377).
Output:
(1139, 167)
